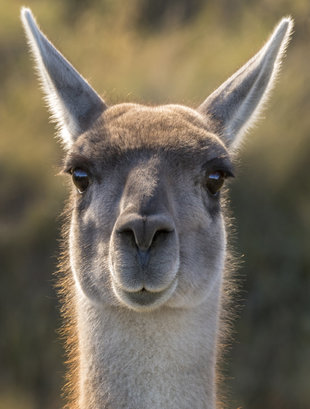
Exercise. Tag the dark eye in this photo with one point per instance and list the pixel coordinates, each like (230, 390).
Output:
(80, 179)
(214, 182)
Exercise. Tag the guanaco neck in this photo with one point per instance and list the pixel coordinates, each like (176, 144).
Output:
(159, 360)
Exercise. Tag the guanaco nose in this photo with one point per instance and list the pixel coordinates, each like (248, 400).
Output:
(144, 231)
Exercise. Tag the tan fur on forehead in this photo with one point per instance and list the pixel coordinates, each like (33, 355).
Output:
(169, 127)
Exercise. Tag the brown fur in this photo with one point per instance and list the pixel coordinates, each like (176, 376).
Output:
(145, 275)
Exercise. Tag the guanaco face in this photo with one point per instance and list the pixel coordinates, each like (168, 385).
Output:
(147, 227)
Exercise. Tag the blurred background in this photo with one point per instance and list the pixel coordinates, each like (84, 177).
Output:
(160, 51)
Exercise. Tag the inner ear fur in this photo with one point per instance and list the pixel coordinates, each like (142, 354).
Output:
(72, 101)
(236, 104)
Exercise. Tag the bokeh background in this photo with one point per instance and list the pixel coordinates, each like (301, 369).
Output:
(158, 52)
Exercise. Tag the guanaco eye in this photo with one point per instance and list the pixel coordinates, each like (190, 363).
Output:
(214, 182)
(80, 179)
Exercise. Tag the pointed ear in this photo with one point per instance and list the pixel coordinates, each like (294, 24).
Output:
(235, 105)
(73, 103)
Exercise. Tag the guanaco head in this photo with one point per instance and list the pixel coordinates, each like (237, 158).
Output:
(147, 227)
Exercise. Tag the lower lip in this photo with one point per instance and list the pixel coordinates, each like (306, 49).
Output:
(143, 297)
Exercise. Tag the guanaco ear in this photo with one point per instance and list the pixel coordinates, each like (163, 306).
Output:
(73, 103)
(236, 104)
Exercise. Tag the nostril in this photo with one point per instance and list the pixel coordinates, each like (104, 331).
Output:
(160, 235)
(128, 235)
(143, 232)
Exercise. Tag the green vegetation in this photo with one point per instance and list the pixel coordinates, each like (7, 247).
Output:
(157, 52)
